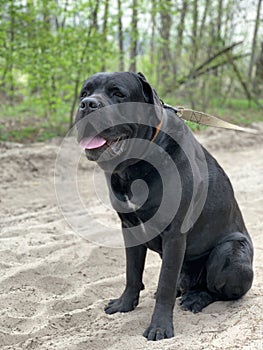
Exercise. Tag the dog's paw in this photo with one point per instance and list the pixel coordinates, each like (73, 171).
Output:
(127, 302)
(159, 332)
(196, 300)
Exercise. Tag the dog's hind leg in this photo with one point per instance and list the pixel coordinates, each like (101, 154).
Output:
(229, 268)
(192, 284)
(229, 274)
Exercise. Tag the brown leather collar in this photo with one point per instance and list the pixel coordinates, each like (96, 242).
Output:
(158, 128)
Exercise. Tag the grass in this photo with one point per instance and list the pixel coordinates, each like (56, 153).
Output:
(237, 111)
(39, 131)
(31, 134)
(22, 123)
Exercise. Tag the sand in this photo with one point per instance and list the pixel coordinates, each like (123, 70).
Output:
(54, 284)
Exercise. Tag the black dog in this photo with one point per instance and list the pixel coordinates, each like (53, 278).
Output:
(206, 252)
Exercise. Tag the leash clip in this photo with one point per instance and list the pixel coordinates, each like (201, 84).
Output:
(179, 111)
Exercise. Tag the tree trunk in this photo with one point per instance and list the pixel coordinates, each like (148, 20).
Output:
(194, 34)
(165, 53)
(229, 21)
(192, 88)
(12, 43)
(254, 43)
(258, 82)
(134, 36)
(153, 28)
(81, 60)
(202, 26)
(120, 38)
(219, 42)
(78, 78)
(219, 19)
(95, 15)
(105, 19)
(105, 30)
(180, 30)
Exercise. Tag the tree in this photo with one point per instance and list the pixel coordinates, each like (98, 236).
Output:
(134, 36)
(153, 32)
(194, 37)
(180, 30)
(120, 38)
(189, 47)
(258, 81)
(164, 47)
(254, 43)
(105, 30)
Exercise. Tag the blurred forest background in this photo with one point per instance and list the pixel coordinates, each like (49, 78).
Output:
(205, 54)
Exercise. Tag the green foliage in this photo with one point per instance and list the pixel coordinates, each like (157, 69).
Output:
(47, 49)
(43, 53)
(28, 129)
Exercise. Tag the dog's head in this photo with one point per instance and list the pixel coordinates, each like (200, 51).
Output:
(106, 116)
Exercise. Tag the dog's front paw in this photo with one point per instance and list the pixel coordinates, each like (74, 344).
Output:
(127, 302)
(158, 332)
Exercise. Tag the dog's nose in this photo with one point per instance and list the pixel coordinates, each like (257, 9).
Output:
(89, 104)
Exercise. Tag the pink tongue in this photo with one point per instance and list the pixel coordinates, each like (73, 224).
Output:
(92, 142)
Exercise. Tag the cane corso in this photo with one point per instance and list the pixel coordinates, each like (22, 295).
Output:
(206, 255)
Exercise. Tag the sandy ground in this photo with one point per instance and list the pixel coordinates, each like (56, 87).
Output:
(54, 284)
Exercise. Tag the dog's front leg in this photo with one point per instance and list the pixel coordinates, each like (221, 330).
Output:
(135, 259)
(161, 325)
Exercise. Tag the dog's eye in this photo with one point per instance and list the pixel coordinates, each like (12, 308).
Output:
(118, 94)
(83, 94)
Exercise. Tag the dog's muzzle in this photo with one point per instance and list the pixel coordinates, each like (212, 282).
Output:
(90, 104)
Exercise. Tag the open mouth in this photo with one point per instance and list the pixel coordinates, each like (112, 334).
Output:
(94, 146)
(92, 142)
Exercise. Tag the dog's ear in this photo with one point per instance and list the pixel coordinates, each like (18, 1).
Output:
(150, 95)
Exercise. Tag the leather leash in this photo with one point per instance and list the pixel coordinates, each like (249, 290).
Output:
(209, 120)
(202, 119)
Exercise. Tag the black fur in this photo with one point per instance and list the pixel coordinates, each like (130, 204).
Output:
(213, 259)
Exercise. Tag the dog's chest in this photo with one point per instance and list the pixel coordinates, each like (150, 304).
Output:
(136, 200)
(133, 205)
(154, 243)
